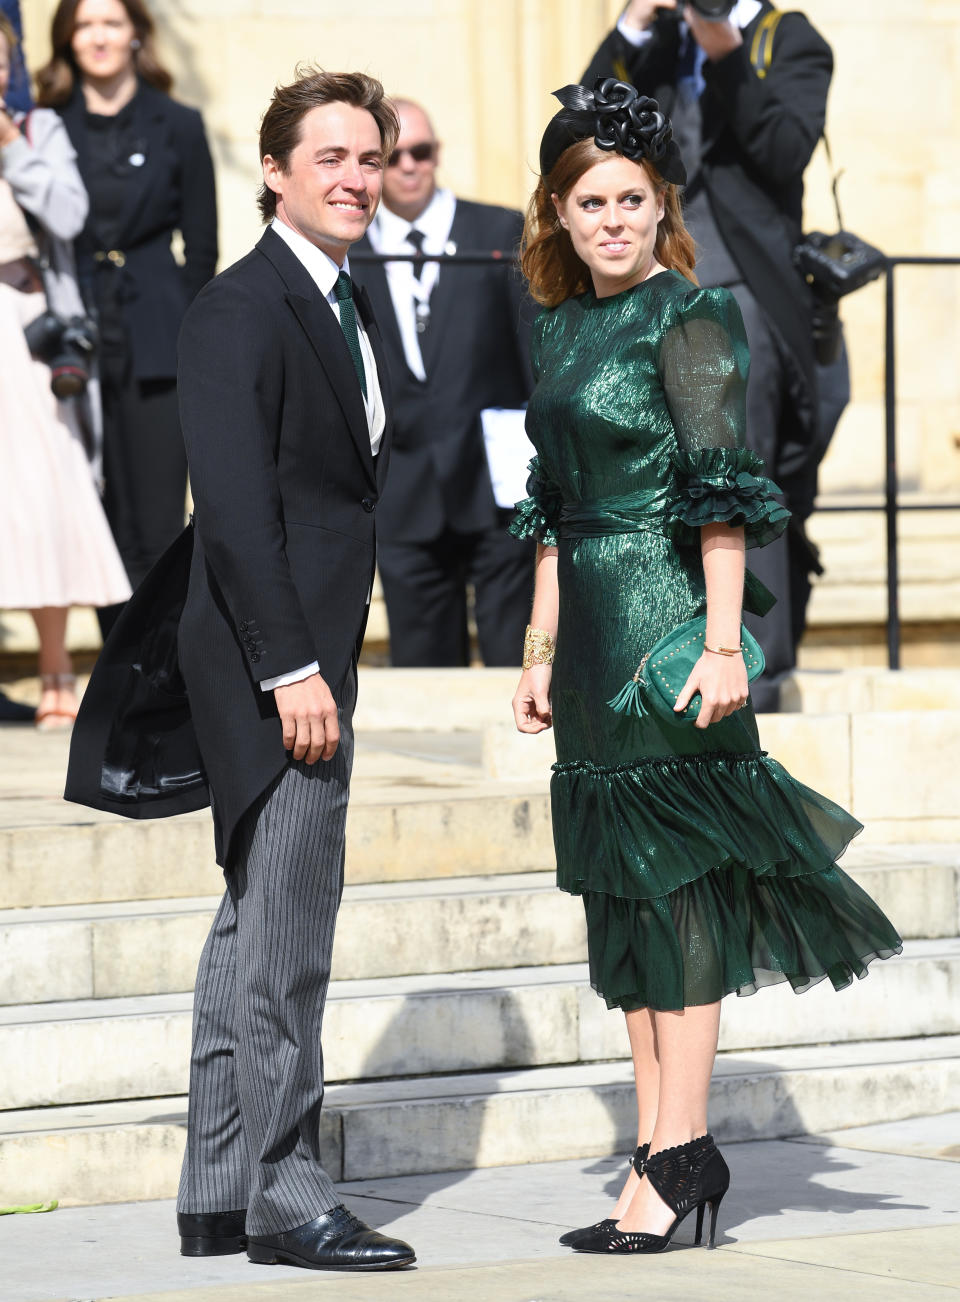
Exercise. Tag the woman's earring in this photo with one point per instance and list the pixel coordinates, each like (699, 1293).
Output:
(135, 43)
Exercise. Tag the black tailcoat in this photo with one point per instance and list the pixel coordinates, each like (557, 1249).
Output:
(476, 355)
(759, 134)
(285, 490)
(173, 189)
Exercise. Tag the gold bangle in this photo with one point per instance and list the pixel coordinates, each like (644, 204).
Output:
(539, 647)
(723, 650)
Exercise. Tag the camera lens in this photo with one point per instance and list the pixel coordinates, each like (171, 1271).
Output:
(827, 331)
(67, 378)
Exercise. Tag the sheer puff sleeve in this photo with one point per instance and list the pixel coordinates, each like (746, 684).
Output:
(538, 515)
(704, 361)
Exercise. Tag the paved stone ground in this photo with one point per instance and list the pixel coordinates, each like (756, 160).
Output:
(871, 1213)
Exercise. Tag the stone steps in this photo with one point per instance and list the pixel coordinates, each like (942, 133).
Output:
(108, 951)
(465, 832)
(417, 1026)
(120, 1152)
(151, 947)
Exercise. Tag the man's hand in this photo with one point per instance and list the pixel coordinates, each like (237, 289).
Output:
(717, 40)
(642, 14)
(308, 713)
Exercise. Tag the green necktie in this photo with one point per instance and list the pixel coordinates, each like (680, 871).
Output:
(343, 290)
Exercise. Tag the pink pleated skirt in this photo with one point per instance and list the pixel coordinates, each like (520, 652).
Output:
(56, 548)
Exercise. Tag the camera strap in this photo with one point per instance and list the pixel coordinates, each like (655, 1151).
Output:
(761, 48)
(761, 57)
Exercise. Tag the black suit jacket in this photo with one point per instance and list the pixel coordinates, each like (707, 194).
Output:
(476, 355)
(759, 135)
(173, 190)
(282, 560)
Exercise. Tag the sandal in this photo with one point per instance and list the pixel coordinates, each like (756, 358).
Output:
(56, 718)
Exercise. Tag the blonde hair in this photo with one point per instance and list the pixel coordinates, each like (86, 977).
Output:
(552, 267)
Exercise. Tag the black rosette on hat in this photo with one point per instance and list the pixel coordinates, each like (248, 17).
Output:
(620, 120)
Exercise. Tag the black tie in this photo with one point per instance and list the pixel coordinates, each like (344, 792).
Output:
(416, 238)
(343, 290)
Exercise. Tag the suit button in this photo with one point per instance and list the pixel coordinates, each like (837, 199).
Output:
(243, 626)
(368, 504)
(255, 656)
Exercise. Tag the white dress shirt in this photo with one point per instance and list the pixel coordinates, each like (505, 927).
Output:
(388, 234)
(324, 272)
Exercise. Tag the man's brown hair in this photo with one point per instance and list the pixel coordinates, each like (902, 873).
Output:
(280, 129)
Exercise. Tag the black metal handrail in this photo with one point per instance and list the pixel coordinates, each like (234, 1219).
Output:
(892, 506)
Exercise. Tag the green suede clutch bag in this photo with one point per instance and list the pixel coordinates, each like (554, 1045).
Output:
(665, 668)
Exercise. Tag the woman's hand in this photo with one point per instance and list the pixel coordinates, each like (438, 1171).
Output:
(722, 683)
(531, 701)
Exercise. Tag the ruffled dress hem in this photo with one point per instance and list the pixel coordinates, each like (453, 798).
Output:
(711, 873)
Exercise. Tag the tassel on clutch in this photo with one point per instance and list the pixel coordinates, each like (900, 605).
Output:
(665, 668)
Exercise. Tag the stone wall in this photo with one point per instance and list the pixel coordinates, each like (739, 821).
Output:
(485, 71)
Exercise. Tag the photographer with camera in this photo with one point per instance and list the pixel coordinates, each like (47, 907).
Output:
(746, 88)
(56, 549)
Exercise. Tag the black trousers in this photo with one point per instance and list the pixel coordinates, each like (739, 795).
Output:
(425, 588)
(144, 467)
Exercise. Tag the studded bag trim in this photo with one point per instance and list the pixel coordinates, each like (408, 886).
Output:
(665, 668)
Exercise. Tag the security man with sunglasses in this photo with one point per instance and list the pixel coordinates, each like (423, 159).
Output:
(456, 339)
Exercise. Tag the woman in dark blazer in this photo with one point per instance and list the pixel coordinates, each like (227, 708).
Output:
(147, 168)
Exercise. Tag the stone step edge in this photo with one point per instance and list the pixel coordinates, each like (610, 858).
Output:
(408, 891)
(494, 980)
(860, 857)
(546, 1019)
(127, 1152)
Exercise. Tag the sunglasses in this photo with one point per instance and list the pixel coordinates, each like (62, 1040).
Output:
(419, 153)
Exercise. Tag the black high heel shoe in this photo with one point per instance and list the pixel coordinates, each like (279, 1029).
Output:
(569, 1240)
(690, 1175)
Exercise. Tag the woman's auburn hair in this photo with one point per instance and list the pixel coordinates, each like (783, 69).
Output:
(57, 78)
(554, 271)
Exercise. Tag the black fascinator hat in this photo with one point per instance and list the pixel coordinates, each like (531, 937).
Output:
(620, 120)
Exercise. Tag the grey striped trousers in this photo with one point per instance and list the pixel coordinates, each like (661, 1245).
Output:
(256, 1068)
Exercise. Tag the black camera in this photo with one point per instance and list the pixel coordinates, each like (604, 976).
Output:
(67, 346)
(715, 11)
(834, 266)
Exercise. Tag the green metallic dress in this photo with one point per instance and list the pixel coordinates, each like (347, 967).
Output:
(703, 865)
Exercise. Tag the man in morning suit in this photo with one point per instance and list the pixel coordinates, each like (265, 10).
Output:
(284, 409)
(748, 96)
(457, 342)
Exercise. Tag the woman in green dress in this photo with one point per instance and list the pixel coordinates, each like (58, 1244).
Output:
(703, 866)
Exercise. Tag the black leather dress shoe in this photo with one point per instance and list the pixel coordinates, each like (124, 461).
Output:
(338, 1240)
(211, 1234)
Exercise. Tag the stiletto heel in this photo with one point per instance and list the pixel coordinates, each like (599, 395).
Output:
(714, 1209)
(685, 1177)
(699, 1234)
